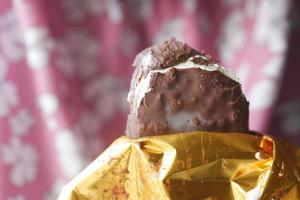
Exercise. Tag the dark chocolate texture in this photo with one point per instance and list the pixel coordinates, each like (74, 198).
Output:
(183, 100)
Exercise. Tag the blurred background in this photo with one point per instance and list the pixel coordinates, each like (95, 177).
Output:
(65, 68)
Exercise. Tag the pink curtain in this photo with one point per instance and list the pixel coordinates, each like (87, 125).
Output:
(65, 67)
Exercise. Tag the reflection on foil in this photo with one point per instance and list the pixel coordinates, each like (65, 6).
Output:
(195, 165)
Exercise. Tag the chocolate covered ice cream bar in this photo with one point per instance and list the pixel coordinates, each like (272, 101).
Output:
(176, 88)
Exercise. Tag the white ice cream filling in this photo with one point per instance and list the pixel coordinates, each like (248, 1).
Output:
(144, 85)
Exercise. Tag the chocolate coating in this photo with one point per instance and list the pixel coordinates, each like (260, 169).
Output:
(181, 100)
(167, 54)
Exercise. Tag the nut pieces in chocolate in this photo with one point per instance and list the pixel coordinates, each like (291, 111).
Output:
(175, 88)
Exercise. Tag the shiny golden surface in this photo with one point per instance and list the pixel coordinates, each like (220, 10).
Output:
(196, 165)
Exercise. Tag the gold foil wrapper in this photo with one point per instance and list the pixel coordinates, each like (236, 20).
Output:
(196, 165)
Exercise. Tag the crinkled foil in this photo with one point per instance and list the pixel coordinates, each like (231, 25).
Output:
(196, 165)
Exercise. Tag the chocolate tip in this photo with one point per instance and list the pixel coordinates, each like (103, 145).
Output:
(169, 53)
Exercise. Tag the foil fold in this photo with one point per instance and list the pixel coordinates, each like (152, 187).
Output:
(195, 165)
